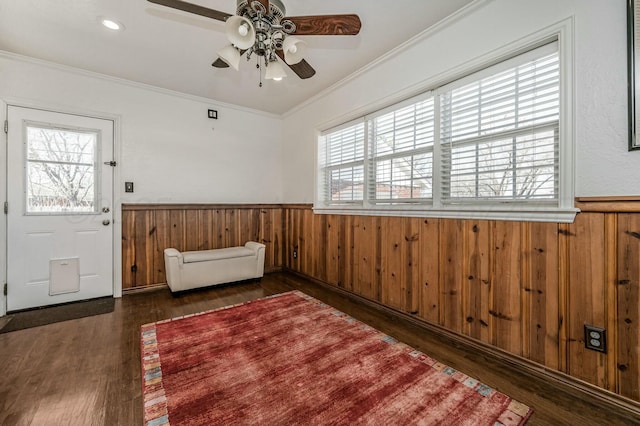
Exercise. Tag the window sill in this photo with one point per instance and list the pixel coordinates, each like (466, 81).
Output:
(501, 212)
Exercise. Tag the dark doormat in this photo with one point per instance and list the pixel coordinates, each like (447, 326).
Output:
(58, 313)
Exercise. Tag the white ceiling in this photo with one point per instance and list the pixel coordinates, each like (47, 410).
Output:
(174, 50)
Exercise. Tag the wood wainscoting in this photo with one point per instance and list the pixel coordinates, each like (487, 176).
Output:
(524, 287)
(147, 229)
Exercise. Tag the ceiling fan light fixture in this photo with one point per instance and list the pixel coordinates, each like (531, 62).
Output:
(243, 30)
(240, 32)
(294, 50)
(230, 56)
(275, 71)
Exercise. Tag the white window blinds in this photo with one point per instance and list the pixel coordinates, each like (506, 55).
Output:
(499, 132)
(343, 164)
(401, 153)
(489, 139)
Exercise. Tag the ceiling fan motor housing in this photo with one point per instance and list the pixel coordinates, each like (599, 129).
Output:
(249, 9)
(270, 26)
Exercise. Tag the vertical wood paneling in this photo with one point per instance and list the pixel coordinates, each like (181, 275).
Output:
(176, 226)
(205, 231)
(319, 246)
(230, 233)
(628, 313)
(142, 263)
(430, 270)
(265, 225)
(218, 225)
(161, 233)
(477, 285)
(346, 257)
(306, 249)
(332, 249)
(563, 296)
(299, 238)
(611, 303)
(393, 268)
(192, 228)
(506, 307)
(541, 294)
(378, 269)
(451, 274)
(364, 247)
(414, 253)
(128, 249)
(587, 296)
(276, 239)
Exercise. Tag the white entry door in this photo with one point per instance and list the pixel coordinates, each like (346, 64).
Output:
(59, 218)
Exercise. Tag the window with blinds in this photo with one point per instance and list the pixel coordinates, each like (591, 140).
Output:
(401, 154)
(343, 164)
(490, 138)
(499, 133)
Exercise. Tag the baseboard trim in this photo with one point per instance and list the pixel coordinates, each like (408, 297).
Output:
(531, 368)
(144, 289)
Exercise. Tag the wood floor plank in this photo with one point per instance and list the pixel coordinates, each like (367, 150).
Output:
(87, 371)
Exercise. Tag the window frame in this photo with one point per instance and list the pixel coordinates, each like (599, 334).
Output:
(561, 210)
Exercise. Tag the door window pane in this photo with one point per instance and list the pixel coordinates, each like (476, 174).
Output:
(61, 170)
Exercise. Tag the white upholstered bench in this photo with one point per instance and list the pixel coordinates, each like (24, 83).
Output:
(193, 269)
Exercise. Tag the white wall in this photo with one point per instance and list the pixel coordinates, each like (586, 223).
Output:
(169, 148)
(603, 164)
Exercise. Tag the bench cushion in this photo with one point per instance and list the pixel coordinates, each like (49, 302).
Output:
(216, 254)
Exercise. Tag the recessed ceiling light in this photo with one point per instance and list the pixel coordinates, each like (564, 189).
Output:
(112, 24)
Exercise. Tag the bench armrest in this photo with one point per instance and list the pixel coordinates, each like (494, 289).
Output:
(252, 245)
(173, 263)
(171, 252)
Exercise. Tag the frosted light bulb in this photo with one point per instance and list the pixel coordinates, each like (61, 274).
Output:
(293, 49)
(277, 79)
(243, 30)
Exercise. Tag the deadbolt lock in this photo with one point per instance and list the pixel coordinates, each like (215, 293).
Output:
(106, 210)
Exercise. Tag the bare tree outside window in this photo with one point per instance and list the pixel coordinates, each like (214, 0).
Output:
(500, 135)
(60, 170)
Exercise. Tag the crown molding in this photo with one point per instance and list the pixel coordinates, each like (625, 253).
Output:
(122, 81)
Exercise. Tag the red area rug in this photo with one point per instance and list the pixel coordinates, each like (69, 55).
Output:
(292, 360)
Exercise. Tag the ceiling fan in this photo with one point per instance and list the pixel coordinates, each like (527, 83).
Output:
(261, 28)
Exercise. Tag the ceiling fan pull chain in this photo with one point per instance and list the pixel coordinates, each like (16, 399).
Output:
(259, 70)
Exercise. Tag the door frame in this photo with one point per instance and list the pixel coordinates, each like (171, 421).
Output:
(116, 234)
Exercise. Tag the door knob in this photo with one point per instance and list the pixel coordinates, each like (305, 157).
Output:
(106, 222)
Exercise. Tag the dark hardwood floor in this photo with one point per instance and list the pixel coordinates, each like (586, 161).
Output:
(87, 371)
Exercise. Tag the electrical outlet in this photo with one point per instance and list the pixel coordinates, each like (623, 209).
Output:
(595, 338)
(128, 187)
(295, 254)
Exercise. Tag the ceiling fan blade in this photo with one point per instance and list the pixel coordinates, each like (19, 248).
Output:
(193, 8)
(219, 63)
(326, 24)
(302, 68)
